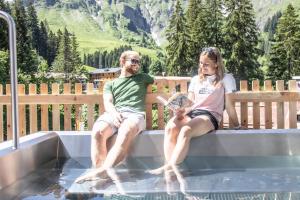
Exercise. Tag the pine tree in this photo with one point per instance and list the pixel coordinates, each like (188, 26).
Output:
(63, 59)
(59, 37)
(4, 27)
(145, 63)
(100, 60)
(193, 11)
(52, 44)
(205, 22)
(77, 67)
(156, 68)
(271, 24)
(33, 27)
(285, 51)
(27, 60)
(241, 40)
(68, 67)
(43, 41)
(199, 34)
(215, 18)
(84, 59)
(104, 59)
(4, 67)
(178, 60)
(74, 53)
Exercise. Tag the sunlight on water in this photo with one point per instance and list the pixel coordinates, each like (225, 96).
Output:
(198, 178)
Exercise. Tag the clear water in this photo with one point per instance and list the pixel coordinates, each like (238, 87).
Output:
(273, 177)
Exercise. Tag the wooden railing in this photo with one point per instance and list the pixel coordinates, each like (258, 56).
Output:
(66, 107)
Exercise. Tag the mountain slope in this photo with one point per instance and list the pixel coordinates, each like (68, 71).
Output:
(106, 24)
(89, 34)
(267, 8)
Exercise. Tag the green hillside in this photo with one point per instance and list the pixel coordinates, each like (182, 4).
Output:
(90, 36)
(267, 8)
(112, 30)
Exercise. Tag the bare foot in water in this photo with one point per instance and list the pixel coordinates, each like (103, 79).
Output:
(160, 170)
(97, 174)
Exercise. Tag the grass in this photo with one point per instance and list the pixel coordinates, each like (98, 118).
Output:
(89, 34)
(89, 68)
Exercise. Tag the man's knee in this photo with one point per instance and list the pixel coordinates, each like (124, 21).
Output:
(126, 132)
(101, 132)
(128, 129)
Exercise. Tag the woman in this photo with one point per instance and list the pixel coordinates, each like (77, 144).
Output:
(208, 92)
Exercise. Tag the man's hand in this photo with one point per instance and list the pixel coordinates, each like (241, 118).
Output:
(118, 119)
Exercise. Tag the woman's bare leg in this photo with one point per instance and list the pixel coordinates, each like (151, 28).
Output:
(170, 140)
(194, 128)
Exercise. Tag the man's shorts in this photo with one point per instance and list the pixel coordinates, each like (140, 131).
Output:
(127, 113)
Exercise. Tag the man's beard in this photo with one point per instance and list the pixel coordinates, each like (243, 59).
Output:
(131, 71)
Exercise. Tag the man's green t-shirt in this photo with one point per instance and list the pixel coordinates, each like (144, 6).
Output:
(129, 91)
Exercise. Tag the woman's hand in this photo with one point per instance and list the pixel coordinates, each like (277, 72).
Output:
(179, 113)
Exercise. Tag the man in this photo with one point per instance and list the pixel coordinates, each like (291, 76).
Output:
(124, 103)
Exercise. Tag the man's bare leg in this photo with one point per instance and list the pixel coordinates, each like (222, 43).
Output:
(100, 134)
(126, 134)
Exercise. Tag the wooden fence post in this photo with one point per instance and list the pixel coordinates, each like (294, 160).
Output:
(100, 91)
(32, 111)
(90, 107)
(22, 112)
(172, 88)
(78, 108)
(268, 106)
(8, 115)
(55, 109)
(67, 109)
(256, 106)
(292, 105)
(160, 107)
(280, 106)
(149, 110)
(244, 105)
(44, 109)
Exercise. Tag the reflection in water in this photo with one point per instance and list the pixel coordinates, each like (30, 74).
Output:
(197, 178)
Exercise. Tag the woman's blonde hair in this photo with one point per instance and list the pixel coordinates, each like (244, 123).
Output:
(213, 54)
(126, 54)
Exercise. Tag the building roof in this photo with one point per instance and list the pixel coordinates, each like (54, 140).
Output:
(106, 70)
(296, 77)
(58, 75)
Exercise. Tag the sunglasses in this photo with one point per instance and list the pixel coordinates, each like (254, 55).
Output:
(134, 61)
(210, 51)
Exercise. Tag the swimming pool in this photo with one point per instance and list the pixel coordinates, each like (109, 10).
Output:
(260, 164)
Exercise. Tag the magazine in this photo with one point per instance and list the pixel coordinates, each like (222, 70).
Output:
(178, 100)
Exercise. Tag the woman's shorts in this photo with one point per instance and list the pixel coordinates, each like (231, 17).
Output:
(136, 117)
(197, 112)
